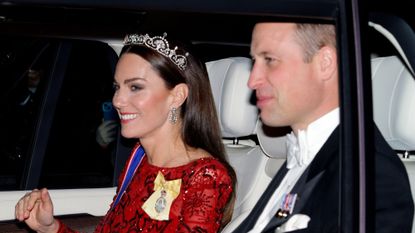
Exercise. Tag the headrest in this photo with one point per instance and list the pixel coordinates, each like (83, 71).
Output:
(228, 79)
(399, 33)
(394, 102)
(272, 140)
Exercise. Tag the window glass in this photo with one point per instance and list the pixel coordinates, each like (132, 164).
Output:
(24, 66)
(73, 157)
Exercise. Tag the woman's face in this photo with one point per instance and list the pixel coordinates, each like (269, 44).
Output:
(141, 98)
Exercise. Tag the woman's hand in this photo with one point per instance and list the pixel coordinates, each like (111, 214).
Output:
(36, 209)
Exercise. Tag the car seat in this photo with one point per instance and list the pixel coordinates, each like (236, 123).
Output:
(394, 109)
(238, 117)
(393, 87)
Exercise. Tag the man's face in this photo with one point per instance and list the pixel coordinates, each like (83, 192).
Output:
(288, 90)
(33, 78)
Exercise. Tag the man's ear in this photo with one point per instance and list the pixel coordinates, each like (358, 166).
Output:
(180, 93)
(327, 62)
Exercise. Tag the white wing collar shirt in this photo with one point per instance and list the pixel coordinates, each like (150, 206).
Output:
(301, 150)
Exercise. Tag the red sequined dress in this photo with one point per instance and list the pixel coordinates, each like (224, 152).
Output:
(204, 192)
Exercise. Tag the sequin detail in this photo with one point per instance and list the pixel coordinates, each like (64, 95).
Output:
(199, 207)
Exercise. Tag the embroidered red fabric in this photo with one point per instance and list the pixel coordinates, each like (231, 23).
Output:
(205, 190)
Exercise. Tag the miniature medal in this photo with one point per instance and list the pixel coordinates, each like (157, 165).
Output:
(287, 205)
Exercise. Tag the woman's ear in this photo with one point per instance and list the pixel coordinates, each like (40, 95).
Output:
(180, 93)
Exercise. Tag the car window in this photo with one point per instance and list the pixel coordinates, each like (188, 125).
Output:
(72, 158)
(24, 64)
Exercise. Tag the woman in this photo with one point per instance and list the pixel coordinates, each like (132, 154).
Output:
(177, 178)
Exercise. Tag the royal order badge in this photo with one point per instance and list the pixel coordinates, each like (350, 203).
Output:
(158, 204)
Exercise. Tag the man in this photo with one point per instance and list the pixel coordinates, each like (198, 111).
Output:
(295, 76)
(33, 79)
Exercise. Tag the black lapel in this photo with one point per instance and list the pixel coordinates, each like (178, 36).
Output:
(303, 190)
(328, 152)
(309, 179)
(251, 219)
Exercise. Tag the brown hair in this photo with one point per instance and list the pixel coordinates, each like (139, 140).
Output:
(312, 37)
(200, 122)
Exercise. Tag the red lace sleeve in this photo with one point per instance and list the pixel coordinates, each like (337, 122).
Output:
(64, 229)
(205, 198)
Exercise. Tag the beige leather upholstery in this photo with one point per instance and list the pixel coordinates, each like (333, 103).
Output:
(394, 102)
(238, 117)
(394, 108)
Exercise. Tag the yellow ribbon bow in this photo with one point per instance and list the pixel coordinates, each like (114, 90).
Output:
(158, 204)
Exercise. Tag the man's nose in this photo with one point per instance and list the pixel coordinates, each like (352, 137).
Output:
(255, 77)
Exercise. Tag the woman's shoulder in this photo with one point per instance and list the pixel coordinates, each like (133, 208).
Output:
(209, 163)
(209, 170)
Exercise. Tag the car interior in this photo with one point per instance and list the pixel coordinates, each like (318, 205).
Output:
(393, 85)
(257, 160)
(254, 150)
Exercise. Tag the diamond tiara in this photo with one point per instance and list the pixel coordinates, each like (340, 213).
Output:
(159, 44)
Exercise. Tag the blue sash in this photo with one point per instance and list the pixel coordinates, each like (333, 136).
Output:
(132, 165)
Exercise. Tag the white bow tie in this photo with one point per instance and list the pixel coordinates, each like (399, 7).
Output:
(297, 150)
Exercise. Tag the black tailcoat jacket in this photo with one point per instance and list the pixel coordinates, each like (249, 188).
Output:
(318, 192)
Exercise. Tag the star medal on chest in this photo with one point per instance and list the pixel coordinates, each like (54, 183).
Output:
(287, 205)
(158, 205)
